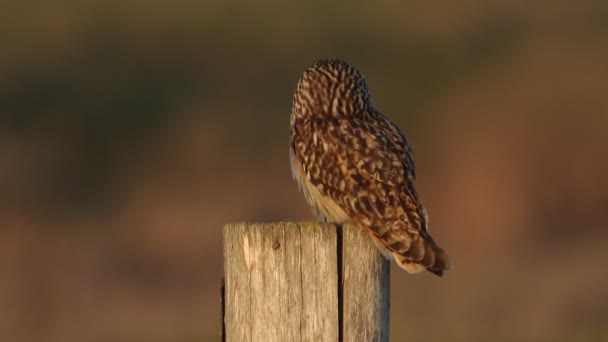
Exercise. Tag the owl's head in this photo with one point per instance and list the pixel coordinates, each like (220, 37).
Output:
(331, 87)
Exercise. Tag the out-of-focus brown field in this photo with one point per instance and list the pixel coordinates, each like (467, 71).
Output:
(130, 132)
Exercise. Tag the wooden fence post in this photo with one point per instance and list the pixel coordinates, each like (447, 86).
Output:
(303, 281)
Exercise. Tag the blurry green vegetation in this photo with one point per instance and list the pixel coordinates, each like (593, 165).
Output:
(106, 76)
(130, 132)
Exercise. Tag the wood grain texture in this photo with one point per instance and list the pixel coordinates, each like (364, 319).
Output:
(366, 280)
(281, 283)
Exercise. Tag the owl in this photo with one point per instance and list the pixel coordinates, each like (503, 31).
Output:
(353, 164)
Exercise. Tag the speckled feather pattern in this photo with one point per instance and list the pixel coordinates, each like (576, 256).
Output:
(355, 165)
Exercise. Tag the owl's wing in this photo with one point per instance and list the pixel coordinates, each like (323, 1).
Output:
(379, 170)
(393, 157)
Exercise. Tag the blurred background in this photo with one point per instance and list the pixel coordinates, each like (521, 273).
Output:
(130, 132)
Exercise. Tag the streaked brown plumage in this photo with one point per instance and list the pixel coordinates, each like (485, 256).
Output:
(354, 165)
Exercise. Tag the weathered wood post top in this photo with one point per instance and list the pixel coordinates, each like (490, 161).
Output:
(303, 281)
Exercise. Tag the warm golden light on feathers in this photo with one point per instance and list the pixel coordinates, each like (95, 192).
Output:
(355, 165)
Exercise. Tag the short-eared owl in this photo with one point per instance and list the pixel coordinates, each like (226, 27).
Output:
(355, 165)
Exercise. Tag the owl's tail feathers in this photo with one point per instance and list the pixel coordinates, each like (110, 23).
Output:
(423, 255)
